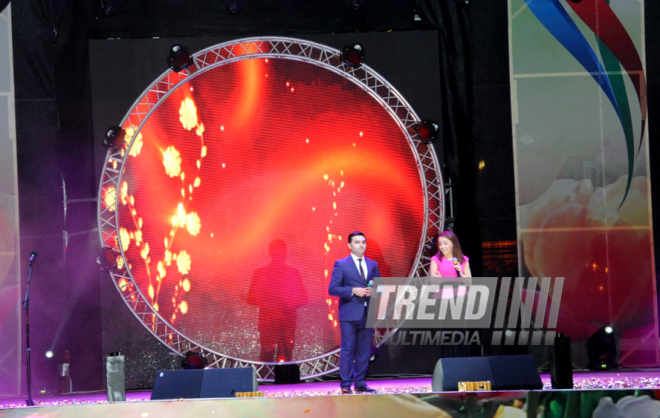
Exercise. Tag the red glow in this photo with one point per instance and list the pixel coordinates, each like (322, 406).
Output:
(234, 235)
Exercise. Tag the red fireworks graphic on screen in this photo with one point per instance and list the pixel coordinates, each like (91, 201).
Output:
(238, 196)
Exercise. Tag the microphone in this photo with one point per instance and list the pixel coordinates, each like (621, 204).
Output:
(33, 256)
(457, 267)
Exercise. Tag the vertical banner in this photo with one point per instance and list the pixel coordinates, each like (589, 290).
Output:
(578, 89)
(10, 305)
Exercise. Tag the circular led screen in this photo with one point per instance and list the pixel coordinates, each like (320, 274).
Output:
(239, 191)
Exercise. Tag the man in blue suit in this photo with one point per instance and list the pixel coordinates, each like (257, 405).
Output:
(351, 281)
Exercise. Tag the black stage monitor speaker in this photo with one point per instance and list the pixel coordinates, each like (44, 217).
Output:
(177, 384)
(504, 372)
(224, 383)
(449, 371)
(206, 383)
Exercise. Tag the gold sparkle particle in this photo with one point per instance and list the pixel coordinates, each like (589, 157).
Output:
(156, 307)
(361, 134)
(327, 248)
(140, 222)
(151, 292)
(145, 251)
(183, 262)
(110, 198)
(190, 188)
(186, 285)
(120, 263)
(132, 200)
(172, 162)
(138, 238)
(188, 114)
(330, 317)
(123, 193)
(198, 181)
(137, 143)
(123, 284)
(325, 177)
(168, 257)
(482, 164)
(200, 129)
(342, 184)
(161, 270)
(179, 219)
(326, 273)
(204, 150)
(193, 223)
(124, 238)
(183, 306)
(334, 205)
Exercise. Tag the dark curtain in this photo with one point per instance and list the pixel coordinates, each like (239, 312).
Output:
(453, 25)
(54, 142)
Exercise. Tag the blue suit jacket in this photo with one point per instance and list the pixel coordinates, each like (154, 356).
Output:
(345, 276)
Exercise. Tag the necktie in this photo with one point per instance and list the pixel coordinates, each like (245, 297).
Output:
(361, 271)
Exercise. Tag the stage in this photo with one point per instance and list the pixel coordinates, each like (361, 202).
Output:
(395, 397)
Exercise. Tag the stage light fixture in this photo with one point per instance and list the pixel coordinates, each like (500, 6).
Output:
(192, 360)
(352, 55)
(354, 5)
(463, 3)
(234, 6)
(49, 354)
(114, 137)
(111, 7)
(428, 130)
(601, 348)
(107, 259)
(180, 58)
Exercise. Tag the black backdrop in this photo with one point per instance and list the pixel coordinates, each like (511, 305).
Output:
(120, 72)
(53, 112)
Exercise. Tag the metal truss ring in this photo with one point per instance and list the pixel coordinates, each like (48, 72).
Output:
(263, 47)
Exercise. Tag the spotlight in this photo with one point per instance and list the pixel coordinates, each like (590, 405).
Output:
(192, 360)
(428, 131)
(354, 5)
(463, 3)
(107, 259)
(601, 348)
(114, 137)
(49, 354)
(234, 6)
(352, 55)
(179, 58)
(111, 7)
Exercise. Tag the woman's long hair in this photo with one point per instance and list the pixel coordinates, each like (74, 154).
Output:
(456, 250)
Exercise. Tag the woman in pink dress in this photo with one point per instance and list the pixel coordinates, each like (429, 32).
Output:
(449, 260)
